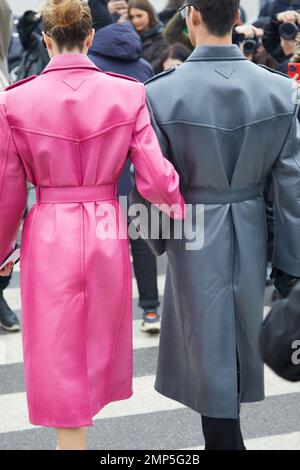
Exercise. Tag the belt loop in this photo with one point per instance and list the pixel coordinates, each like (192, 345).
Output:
(38, 194)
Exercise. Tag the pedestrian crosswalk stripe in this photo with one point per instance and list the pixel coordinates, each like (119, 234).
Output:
(288, 441)
(13, 294)
(14, 416)
(11, 344)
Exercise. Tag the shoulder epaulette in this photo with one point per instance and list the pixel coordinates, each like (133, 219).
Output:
(273, 71)
(20, 82)
(162, 74)
(118, 75)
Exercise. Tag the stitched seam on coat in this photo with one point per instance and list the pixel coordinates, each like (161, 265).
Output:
(183, 326)
(125, 294)
(82, 273)
(57, 136)
(196, 124)
(34, 227)
(234, 313)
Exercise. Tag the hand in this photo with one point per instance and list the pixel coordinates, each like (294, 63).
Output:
(288, 46)
(246, 30)
(118, 6)
(288, 16)
(7, 270)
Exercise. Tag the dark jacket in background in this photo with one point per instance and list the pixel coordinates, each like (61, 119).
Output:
(100, 13)
(271, 42)
(154, 43)
(35, 56)
(118, 48)
(280, 337)
(276, 7)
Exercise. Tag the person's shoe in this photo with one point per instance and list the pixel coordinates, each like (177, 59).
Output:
(151, 322)
(8, 319)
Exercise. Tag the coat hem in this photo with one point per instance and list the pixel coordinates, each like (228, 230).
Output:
(186, 403)
(84, 422)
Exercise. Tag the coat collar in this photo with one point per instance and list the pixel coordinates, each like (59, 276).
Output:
(215, 53)
(70, 61)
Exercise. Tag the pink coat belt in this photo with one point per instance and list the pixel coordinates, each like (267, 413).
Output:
(70, 194)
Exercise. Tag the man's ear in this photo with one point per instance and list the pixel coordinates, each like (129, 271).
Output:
(195, 16)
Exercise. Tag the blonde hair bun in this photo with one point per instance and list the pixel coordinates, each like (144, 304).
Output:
(64, 13)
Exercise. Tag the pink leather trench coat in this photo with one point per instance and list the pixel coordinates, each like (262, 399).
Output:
(69, 132)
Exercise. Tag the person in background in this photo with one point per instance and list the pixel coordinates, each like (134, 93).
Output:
(118, 48)
(118, 10)
(170, 10)
(5, 37)
(142, 15)
(271, 9)
(34, 56)
(176, 32)
(175, 55)
(100, 13)
(279, 47)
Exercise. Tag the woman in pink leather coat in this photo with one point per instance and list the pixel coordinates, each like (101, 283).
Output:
(69, 132)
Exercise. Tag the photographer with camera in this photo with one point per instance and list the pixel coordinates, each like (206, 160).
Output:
(249, 40)
(280, 37)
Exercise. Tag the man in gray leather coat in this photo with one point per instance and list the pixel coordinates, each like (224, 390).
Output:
(225, 124)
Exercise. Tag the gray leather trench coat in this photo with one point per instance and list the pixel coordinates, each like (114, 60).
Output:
(225, 124)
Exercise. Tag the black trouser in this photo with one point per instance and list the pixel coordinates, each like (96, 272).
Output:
(4, 282)
(144, 263)
(224, 434)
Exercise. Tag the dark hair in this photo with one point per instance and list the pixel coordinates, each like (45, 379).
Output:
(68, 22)
(176, 51)
(144, 5)
(218, 15)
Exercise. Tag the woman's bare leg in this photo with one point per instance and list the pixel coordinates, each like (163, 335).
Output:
(71, 439)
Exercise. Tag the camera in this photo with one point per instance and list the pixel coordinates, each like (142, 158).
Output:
(251, 46)
(289, 31)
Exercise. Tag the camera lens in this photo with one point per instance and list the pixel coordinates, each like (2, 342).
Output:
(250, 46)
(288, 31)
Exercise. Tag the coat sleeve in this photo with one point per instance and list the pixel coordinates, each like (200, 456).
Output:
(13, 191)
(286, 174)
(156, 178)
